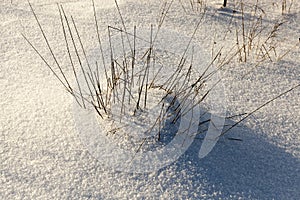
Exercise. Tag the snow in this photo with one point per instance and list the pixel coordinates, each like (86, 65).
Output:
(42, 152)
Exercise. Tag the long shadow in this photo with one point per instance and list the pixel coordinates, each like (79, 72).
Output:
(251, 167)
(242, 165)
(225, 15)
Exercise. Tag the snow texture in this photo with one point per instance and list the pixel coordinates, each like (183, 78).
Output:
(43, 157)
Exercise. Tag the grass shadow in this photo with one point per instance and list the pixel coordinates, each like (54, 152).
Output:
(251, 168)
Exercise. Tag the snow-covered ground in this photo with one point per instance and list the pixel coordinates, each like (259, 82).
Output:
(42, 156)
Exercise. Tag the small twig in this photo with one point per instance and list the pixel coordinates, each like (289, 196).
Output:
(263, 105)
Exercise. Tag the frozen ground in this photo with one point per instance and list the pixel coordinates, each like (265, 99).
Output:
(42, 156)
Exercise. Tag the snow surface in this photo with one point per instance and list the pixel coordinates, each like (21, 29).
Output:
(42, 156)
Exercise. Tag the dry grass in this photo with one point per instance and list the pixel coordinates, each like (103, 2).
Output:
(121, 85)
(128, 81)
